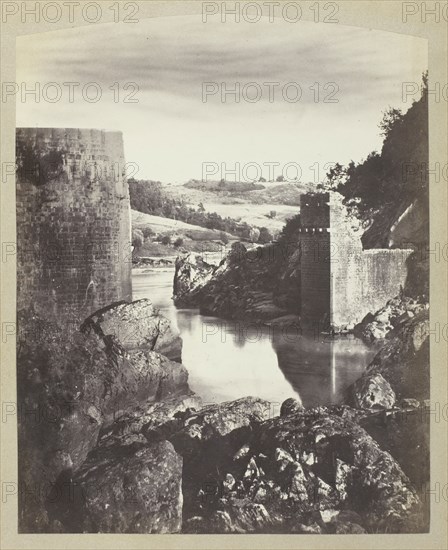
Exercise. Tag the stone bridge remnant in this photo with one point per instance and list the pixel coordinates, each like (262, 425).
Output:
(340, 281)
(73, 221)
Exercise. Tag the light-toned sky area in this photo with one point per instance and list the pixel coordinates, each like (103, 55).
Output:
(170, 132)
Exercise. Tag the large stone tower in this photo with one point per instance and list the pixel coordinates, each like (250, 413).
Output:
(73, 221)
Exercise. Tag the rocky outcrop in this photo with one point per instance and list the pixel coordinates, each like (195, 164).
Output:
(191, 274)
(403, 360)
(305, 472)
(215, 424)
(243, 286)
(137, 325)
(379, 325)
(77, 383)
(152, 421)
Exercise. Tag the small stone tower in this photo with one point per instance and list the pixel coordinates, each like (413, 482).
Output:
(315, 258)
(341, 282)
(73, 221)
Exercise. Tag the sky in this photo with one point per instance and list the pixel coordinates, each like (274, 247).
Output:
(172, 132)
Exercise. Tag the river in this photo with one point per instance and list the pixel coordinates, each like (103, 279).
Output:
(227, 359)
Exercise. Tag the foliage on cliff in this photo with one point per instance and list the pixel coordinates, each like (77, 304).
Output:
(385, 184)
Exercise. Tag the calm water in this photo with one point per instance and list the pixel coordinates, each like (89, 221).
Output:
(227, 359)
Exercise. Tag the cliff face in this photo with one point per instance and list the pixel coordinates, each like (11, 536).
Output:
(73, 220)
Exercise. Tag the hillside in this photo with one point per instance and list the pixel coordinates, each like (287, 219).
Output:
(167, 237)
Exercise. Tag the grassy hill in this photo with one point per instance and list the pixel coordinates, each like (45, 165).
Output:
(167, 237)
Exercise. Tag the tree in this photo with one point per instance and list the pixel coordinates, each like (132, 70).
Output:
(166, 240)
(178, 242)
(137, 238)
(201, 207)
(399, 173)
(223, 237)
(391, 117)
(147, 232)
(280, 178)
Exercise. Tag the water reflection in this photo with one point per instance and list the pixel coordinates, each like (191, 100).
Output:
(227, 360)
(320, 368)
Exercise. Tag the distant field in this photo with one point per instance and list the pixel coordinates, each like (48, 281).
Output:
(167, 226)
(255, 214)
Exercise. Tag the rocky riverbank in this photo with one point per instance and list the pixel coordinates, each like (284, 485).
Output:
(121, 444)
(245, 285)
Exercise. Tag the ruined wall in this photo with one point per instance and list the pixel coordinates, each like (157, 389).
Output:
(341, 282)
(73, 220)
(361, 280)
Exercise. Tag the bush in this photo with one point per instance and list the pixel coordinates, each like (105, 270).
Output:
(178, 242)
(137, 238)
(166, 239)
(147, 232)
(223, 237)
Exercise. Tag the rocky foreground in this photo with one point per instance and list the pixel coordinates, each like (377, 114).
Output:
(122, 445)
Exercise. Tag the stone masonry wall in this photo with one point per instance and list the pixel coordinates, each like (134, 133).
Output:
(73, 221)
(361, 280)
(341, 282)
(315, 258)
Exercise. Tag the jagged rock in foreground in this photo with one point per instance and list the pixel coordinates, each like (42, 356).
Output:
(371, 392)
(124, 489)
(224, 423)
(304, 472)
(137, 325)
(152, 421)
(77, 382)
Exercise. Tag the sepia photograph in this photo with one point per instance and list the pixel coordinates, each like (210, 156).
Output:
(222, 253)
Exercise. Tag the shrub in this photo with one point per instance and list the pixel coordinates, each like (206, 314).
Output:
(178, 242)
(137, 238)
(166, 239)
(147, 232)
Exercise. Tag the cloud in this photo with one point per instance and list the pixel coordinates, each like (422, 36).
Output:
(170, 59)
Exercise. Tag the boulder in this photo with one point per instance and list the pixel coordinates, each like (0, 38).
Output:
(78, 383)
(151, 421)
(290, 406)
(371, 392)
(213, 423)
(124, 489)
(137, 325)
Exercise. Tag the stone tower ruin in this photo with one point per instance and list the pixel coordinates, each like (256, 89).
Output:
(73, 221)
(340, 281)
